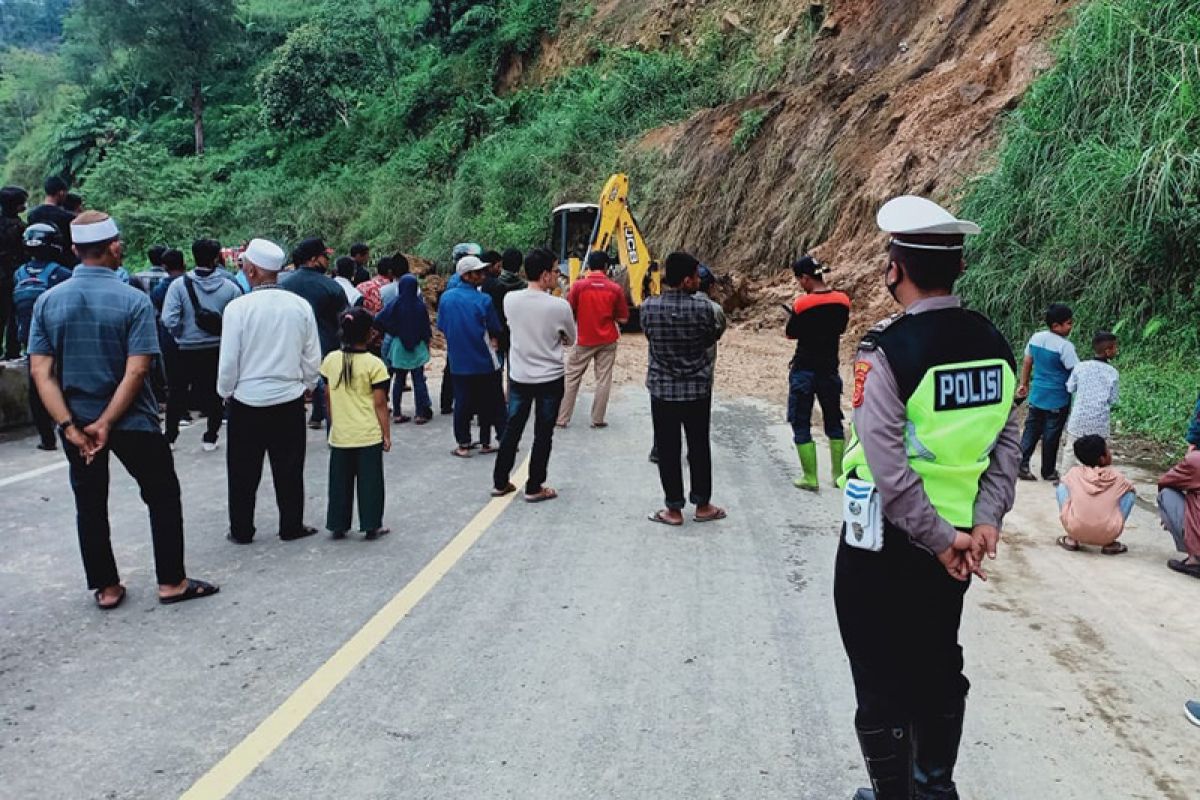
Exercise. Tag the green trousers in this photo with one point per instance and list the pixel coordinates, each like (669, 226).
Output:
(348, 467)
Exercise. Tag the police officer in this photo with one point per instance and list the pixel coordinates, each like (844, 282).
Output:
(935, 448)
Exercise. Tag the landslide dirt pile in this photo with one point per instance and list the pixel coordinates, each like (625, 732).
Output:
(891, 97)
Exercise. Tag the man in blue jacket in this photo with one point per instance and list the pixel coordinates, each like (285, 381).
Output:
(468, 319)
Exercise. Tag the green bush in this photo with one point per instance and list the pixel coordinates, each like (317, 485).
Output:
(1094, 201)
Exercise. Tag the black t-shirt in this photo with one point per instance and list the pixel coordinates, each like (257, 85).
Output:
(60, 218)
(817, 323)
(12, 246)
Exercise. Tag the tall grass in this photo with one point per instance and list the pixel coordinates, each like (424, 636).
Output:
(1095, 201)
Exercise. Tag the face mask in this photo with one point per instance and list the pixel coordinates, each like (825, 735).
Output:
(891, 287)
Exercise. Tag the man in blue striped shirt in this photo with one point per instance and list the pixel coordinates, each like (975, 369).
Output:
(91, 344)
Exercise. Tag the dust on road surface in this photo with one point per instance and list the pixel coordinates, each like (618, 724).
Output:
(576, 650)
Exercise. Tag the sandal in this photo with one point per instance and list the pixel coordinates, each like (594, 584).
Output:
(713, 517)
(1181, 565)
(400, 420)
(375, 533)
(461, 452)
(545, 494)
(110, 606)
(423, 420)
(194, 590)
(487, 450)
(661, 518)
(1114, 549)
(1065, 545)
(508, 489)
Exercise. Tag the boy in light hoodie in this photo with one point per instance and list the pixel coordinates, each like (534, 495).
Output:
(1094, 500)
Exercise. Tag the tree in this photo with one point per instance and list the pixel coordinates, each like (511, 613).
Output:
(180, 40)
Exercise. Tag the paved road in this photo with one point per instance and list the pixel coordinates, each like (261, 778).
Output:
(575, 651)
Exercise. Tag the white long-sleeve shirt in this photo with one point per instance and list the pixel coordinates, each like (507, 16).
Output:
(270, 352)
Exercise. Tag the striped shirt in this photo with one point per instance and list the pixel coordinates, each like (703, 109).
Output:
(91, 324)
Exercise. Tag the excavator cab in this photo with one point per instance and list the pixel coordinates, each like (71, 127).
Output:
(581, 228)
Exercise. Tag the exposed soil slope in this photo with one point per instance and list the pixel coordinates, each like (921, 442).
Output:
(891, 98)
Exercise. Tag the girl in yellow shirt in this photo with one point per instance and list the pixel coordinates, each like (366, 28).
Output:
(356, 385)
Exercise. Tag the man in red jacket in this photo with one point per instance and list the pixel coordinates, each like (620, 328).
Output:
(600, 307)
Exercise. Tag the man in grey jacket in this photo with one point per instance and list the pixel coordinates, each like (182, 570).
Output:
(204, 290)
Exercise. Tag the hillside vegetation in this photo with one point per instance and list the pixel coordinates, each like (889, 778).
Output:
(1095, 201)
(388, 122)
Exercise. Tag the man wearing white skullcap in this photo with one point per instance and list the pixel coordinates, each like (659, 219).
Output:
(91, 342)
(930, 472)
(270, 356)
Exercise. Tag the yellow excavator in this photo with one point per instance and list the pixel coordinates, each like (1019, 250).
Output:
(582, 228)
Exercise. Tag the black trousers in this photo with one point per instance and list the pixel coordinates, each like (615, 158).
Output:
(278, 433)
(899, 612)
(544, 400)
(148, 458)
(1045, 427)
(8, 320)
(692, 417)
(197, 370)
(446, 394)
(41, 417)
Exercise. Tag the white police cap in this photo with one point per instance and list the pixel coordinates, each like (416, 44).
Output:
(916, 216)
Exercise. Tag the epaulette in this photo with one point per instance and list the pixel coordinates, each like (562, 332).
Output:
(870, 341)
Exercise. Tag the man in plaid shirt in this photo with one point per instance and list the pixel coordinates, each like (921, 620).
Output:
(680, 329)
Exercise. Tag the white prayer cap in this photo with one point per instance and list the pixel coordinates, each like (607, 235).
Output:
(469, 264)
(921, 217)
(89, 230)
(264, 255)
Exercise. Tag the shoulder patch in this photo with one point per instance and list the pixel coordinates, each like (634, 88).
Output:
(861, 370)
(870, 341)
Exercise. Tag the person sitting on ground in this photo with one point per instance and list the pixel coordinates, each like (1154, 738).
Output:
(356, 388)
(1094, 383)
(344, 270)
(1179, 511)
(1094, 500)
(1049, 359)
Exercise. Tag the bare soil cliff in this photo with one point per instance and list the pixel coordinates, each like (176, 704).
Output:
(891, 97)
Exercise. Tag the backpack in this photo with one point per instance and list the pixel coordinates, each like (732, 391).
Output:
(207, 320)
(29, 287)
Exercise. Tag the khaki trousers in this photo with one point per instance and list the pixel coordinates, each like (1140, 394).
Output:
(605, 356)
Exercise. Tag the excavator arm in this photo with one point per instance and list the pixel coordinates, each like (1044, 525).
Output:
(616, 221)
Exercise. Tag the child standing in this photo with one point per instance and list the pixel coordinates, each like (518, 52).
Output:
(356, 387)
(1094, 500)
(1049, 359)
(1094, 383)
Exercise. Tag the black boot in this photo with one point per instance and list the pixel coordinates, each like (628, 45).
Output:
(888, 753)
(935, 751)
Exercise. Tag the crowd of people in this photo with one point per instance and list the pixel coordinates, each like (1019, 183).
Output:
(928, 468)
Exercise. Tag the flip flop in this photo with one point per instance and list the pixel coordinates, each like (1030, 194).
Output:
(195, 589)
(720, 513)
(120, 599)
(508, 489)
(1114, 549)
(487, 450)
(422, 421)
(599, 424)
(1062, 542)
(658, 517)
(461, 452)
(372, 535)
(400, 420)
(545, 494)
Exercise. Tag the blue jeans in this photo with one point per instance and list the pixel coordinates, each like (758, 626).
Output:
(424, 405)
(805, 386)
(1045, 427)
(545, 400)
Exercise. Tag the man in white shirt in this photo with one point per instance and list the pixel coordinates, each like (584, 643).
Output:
(541, 325)
(344, 278)
(270, 355)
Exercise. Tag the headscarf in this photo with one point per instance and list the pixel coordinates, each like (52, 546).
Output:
(407, 317)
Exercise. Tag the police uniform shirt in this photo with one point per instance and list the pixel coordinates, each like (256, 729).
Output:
(880, 423)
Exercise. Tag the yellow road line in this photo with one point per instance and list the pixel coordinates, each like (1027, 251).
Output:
(252, 751)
